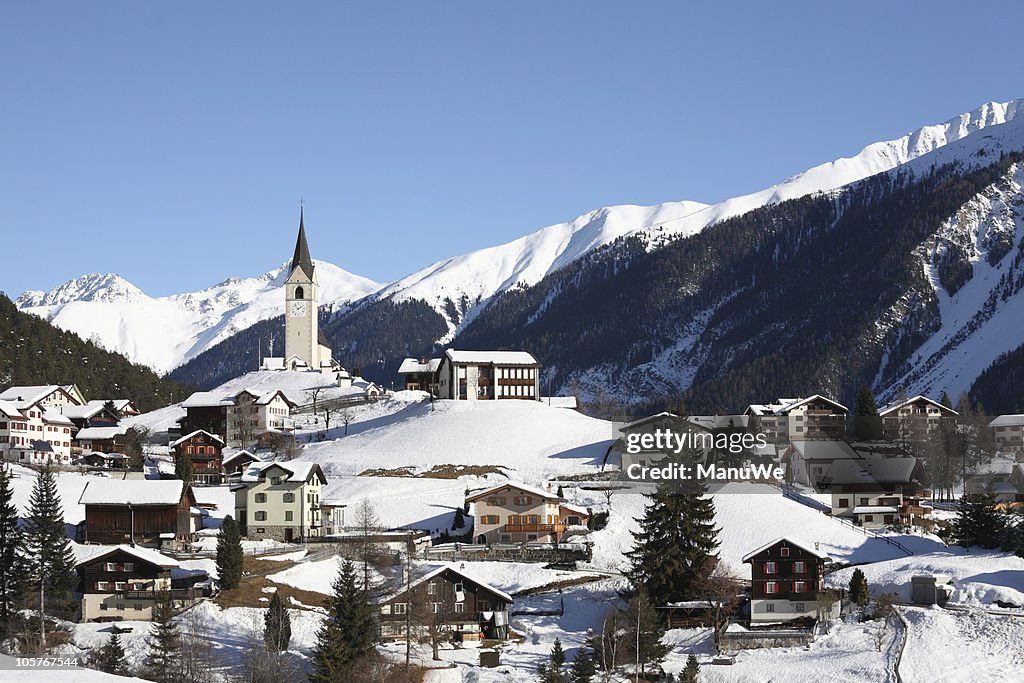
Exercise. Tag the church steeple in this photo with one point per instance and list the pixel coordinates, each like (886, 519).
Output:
(301, 257)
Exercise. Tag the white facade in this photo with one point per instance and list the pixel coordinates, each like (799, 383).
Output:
(34, 434)
(280, 500)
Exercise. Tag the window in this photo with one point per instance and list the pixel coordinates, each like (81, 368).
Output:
(400, 607)
(460, 607)
(300, 293)
(119, 585)
(869, 518)
(489, 519)
(435, 607)
(844, 502)
(129, 566)
(771, 587)
(260, 530)
(261, 498)
(522, 500)
(784, 552)
(769, 568)
(385, 609)
(289, 498)
(111, 567)
(287, 515)
(863, 501)
(799, 587)
(799, 567)
(770, 607)
(496, 500)
(431, 588)
(261, 516)
(799, 607)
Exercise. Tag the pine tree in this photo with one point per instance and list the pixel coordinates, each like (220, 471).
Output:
(277, 632)
(859, 588)
(229, 554)
(674, 546)
(979, 524)
(460, 520)
(10, 542)
(110, 657)
(551, 671)
(867, 426)
(163, 661)
(583, 669)
(691, 673)
(348, 633)
(48, 563)
(946, 401)
(183, 469)
(646, 631)
(560, 493)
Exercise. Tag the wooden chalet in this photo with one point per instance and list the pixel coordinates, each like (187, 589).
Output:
(449, 600)
(238, 462)
(786, 577)
(203, 450)
(149, 513)
(124, 582)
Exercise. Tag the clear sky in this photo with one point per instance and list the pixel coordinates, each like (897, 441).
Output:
(171, 142)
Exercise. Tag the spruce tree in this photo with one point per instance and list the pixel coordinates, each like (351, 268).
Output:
(460, 519)
(163, 661)
(110, 657)
(348, 633)
(229, 554)
(691, 673)
(48, 562)
(277, 632)
(583, 669)
(859, 588)
(551, 671)
(979, 524)
(867, 425)
(946, 401)
(674, 546)
(10, 542)
(183, 469)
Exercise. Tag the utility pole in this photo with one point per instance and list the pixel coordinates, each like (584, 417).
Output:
(408, 605)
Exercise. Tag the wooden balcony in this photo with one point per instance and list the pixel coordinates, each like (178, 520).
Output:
(176, 594)
(534, 528)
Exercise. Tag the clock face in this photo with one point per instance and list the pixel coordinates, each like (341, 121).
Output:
(298, 308)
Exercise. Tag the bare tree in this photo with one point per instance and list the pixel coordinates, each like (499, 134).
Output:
(329, 414)
(263, 665)
(722, 589)
(197, 660)
(314, 396)
(825, 601)
(346, 418)
(368, 524)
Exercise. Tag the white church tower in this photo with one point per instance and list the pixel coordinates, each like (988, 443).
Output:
(303, 342)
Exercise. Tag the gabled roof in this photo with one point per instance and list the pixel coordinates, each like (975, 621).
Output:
(296, 471)
(82, 412)
(413, 365)
(440, 570)
(10, 410)
(28, 395)
(803, 545)
(663, 415)
(100, 433)
(491, 357)
(133, 492)
(785, 405)
(1007, 421)
(823, 449)
(54, 416)
(86, 554)
(195, 433)
(892, 407)
(871, 471)
(546, 495)
(207, 399)
(241, 454)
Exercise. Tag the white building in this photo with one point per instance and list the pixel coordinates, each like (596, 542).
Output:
(1009, 433)
(280, 500)
(488, 375)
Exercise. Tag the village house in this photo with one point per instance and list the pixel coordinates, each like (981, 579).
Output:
(151, 513)
(875, 492)
(239, 419)
(236, 463)
(105, 461)
(203, 450)
(45, 395)
(1002, 479)
(786, 577)
(92, 414)
(488, 375)
(451, 602)
(515, 513)
(808, 461)
(789, 419)
(420, 374)
(102, 439)
(33, 432)
(913, 419)
(124, 582)
(280, 500)
(1009, 433)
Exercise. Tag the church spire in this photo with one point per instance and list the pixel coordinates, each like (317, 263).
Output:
(301, 257)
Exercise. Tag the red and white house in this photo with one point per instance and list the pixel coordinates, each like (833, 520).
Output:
(786, 576)
(32, 428)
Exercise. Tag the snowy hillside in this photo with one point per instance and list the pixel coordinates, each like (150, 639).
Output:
(164, 332)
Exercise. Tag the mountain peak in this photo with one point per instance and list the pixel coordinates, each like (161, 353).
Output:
(103, 287)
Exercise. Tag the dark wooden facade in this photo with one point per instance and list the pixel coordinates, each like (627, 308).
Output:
(778, 566)
(96, 575)
(114, 524)
(203, 450)
(213, 419)
(435, 598)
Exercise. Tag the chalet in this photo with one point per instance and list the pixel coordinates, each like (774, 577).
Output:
(280, 500)
(239, 419)
(420, 374)
(788, 419)
(513, 513)
(874, 491)
(92, 414)
(913, 418)
(103, 439)
(32, 432)
(991, 478)
(786, 577)
(238, 462)
(44, 395)
(124, 582)
(1009, 433)
(150, 513)
(450, 601)
(203, 450)
(487, 375)
(106, 461)
(808, 461)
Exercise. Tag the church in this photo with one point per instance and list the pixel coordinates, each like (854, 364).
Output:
(305, 347)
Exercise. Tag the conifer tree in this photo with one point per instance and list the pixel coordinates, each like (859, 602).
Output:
(460, 520)
(48, 563)
(646, 630)
(674, 546)
(979, 524)
(183, 469)
(347, 633)
(10, 542)
(552, 671)
(277, 632)
(163, 661)
(691, 673)
(110, 657)
(229, 554)
(583, 669)
(867, 425)
(859, 588)
(946, 401)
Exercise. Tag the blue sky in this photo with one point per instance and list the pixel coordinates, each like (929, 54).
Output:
(171, 142)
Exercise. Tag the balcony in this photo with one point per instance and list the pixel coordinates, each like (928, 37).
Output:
(534, 528)
(176, 594)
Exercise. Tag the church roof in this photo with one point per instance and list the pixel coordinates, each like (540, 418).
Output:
(301, 257)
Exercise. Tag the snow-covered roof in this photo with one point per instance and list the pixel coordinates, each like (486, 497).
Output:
(81, 412)
(10, 410)
(491, 357)
(100, 433)
(525, 488)
(803, 545)
(297, 471)
(873, 509)
(27, 395)
(824, 449)
(195, 433)
(132, 492)
(570, 402)
(413, 365)
(440, 570)
(663, 415)
(575, 508)
(896, 405)
(993, 467)
(785, 405)
(54, 416)
(1007, 421)
(208, 399)
(91, 553)
(240, 454)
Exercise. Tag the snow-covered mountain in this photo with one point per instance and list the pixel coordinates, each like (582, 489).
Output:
(163, 332)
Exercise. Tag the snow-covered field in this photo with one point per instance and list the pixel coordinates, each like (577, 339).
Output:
(955, 647)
